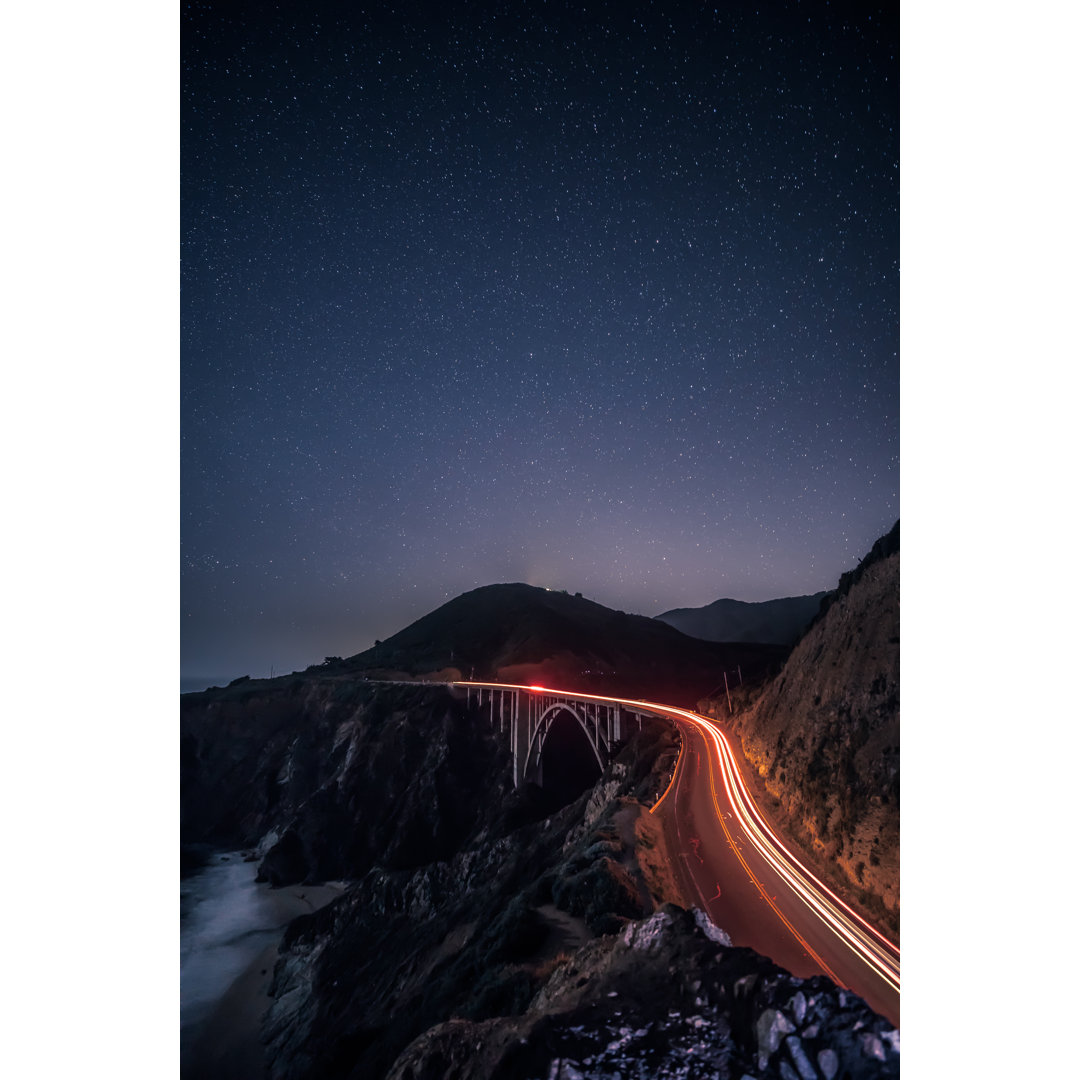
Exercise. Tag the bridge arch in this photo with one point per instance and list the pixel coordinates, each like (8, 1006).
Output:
(564, 757)
(528, 713)
(597, 743)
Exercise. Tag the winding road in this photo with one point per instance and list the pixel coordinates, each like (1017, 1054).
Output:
(731, 861)
(734, 863)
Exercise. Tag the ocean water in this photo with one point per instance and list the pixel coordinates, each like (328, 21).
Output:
(225, 921)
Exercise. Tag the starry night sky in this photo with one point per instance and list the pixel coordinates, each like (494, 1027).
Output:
(604, 301)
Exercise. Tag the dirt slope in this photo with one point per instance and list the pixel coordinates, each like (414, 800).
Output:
(824, 736)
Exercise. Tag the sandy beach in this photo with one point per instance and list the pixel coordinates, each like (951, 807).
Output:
(226, 1042)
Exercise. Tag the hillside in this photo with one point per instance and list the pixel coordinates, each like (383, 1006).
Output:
(520, 633)
(777, 622)
(824, 735)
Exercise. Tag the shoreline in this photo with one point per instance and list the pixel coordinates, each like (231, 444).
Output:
(226, 1042)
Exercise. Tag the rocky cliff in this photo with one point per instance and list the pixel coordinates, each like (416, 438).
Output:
(824, 735)
(665, 997)
(329, 775)
(480, 934)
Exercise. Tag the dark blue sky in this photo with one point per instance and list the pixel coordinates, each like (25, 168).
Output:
(604, 301)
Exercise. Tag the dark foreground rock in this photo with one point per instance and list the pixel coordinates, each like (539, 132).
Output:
(666, 997)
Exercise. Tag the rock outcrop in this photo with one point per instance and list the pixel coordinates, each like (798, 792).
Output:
(330, 775)
(724, 1012)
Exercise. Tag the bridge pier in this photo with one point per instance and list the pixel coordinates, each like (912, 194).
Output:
(520, 734)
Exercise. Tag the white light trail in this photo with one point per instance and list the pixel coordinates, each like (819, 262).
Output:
(880, 954)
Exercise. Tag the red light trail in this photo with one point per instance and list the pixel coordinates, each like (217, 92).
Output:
(819, 903)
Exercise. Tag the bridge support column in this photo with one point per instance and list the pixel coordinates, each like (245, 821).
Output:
(520, 731)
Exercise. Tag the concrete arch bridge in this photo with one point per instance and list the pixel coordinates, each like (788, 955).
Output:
(526, 714)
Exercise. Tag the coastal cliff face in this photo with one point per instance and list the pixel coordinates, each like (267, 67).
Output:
(479, 934)
(824, 735)
(326, 776)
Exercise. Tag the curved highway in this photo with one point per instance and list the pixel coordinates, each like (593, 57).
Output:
(733, 864)
(749, 881)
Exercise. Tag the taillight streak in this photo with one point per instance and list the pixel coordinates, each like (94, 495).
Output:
(814, 893)
(781, 861)
(821, 886)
